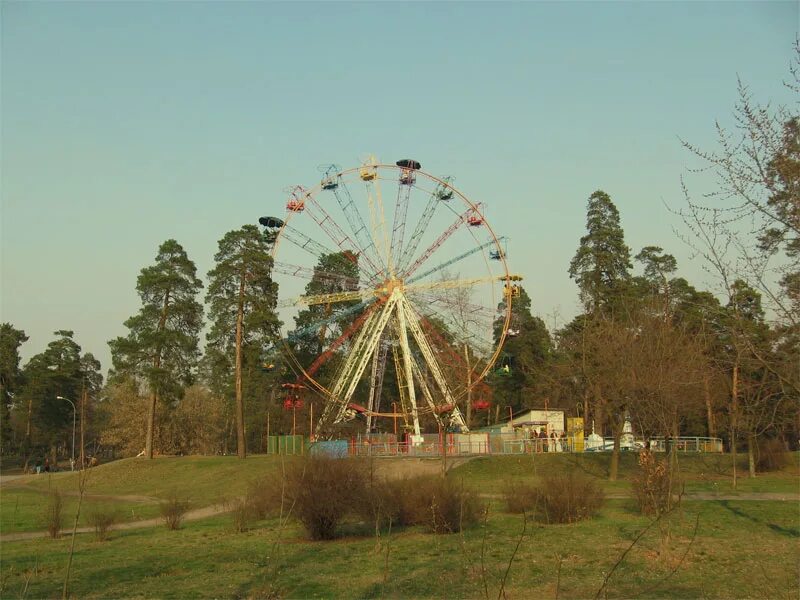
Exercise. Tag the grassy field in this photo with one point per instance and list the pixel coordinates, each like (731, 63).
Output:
(710, 548)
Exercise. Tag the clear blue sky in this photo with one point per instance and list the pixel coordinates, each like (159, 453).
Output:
(125, 124)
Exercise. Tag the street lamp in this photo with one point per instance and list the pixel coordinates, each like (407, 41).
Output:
(72, 462)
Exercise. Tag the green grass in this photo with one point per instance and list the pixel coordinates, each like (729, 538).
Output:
(210, 478)
(742, 549)
(23, 509)
(701, 472)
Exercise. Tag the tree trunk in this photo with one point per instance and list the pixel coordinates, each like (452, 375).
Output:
(28, 423)
(469, 388)
(614, 469)
(712, 428)
(151, 422)
(151, 417)
(734, 415)
(599, 416)
(83, 427)
(751, 454)
(241, 448)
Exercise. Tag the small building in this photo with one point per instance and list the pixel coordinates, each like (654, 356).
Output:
(530, 421)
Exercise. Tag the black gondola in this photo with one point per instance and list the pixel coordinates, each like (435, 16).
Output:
(271, 222)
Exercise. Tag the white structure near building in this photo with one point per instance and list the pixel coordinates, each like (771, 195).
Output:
(533, 420)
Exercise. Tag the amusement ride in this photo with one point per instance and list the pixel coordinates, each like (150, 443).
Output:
(390, 278)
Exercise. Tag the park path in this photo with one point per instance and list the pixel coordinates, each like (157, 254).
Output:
(192, 515)
(218, 509)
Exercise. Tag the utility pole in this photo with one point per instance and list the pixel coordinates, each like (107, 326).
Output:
(84, 399)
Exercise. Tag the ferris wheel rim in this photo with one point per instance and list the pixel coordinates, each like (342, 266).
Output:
(475, 207)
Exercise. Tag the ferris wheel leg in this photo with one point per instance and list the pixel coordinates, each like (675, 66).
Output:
(416, 439)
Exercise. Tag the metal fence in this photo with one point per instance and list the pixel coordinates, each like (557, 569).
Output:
(455, 444)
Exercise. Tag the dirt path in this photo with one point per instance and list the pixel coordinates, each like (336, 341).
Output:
(192, 515)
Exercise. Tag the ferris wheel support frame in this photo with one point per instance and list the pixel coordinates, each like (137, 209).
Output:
(369, 337)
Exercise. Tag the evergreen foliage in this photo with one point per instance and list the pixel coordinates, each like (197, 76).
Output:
(161, 348)
(242, 298)
(601, 265)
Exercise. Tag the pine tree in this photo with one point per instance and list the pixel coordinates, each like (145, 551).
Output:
(161, 348)
(527, 352)
(58, 371)
(601, 265)
(10, 376)
(242, 299)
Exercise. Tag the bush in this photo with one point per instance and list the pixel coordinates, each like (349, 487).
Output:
(771, 456)
(651, 485)
(263, 498)
(442, 505)
(54, 514)
(241, 514)
(323, 491)
(519, 497)
(102, 520)
(173, 510)
(568, 498)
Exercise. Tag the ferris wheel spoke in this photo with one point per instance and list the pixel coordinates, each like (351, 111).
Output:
(419, 230)
(426, 391)
(464, 307)
(377, 218)
(425, 348)
(335, 233)
(359, 354)
(376, 379)
(460, 332)
(354, 218)
(314, 328)
(454, 260)
(433, 334)
(449, 284)
(334, 298)
(304, 242)
(460, 220)
(308, 273)
(408, 374)
(335, 344)
(404, 186)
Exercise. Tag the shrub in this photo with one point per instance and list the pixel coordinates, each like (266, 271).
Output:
(323, 491)
(173, 510)
(568, 498)
(519, 497)
(771, 456)
(263, 497)
(442, 505)
(651, 485)
(102, 520)
(241, 514)
(54, 514)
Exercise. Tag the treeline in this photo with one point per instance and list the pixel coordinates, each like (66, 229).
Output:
(648, 345)
(162, 395)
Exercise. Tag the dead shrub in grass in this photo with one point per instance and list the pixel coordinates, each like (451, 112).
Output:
(444, 505)
(771, 456)
(651, 485)
(241, 515)
(263, 497)
(54, 514)
(519, 497)
(173, 510)
(568, 498)
(323, 491)
(102, 519)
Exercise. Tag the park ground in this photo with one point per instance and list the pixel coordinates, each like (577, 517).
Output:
(722, 542)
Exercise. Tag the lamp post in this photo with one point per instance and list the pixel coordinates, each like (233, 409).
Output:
(72, 462)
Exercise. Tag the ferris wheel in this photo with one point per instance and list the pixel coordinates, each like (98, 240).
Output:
(395, 296)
